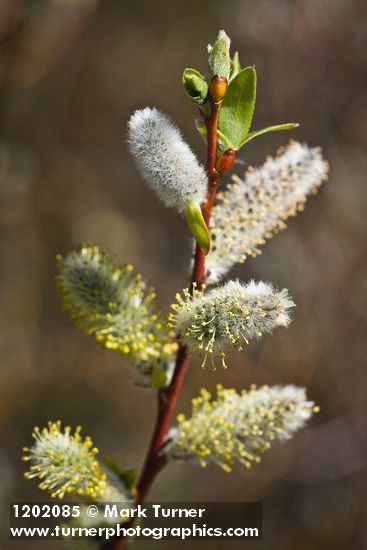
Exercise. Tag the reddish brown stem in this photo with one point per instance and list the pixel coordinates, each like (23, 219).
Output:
(199, 274)
(167, 398)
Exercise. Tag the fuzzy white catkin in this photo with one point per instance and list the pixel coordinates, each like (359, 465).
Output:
(252, 210)
(165, 160)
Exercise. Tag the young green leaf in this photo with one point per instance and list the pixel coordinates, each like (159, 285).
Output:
(195, 86)
(235, 66)
(112, 465)
(276, 128)
(197, 225)
(238, 107)
(129, 478)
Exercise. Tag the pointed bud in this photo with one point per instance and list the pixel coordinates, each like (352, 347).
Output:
(219, 58)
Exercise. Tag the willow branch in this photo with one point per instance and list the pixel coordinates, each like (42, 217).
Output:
(167, 398)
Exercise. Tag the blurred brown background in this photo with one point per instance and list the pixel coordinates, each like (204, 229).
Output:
(72, 71)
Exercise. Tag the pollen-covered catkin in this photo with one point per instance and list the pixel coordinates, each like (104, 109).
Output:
(252, 210)
(239, 427)
(229, 315)
(65, 463)
(112, 303)
(165, 160)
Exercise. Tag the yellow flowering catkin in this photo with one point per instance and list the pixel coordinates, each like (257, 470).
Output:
(239, 427)
(65, 463)
(112, 303)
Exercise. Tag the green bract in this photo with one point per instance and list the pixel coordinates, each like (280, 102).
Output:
(197, 225)
(158, 379)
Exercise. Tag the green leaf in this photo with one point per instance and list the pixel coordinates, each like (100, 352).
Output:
(276, 128)
(238, 107)
(112, 465)
(195, 86)
(129, 478)
(219, 59)
(197, 225)
(235, 66)
(159, 378)
(223, 143)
